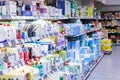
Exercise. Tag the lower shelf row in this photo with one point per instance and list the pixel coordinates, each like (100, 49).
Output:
(66, 70)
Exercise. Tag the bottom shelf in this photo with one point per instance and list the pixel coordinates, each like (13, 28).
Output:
(92, 68)
(115, 44)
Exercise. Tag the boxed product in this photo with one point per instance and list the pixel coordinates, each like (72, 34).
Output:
(107, 48)
(106, 42)
(23, 73)
(67, 8)
(11, 8)
(105, 33)
(61, 5)
(50, 2)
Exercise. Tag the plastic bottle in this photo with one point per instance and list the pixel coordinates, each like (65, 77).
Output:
(4, 8)
(0, 7)
(41, 69)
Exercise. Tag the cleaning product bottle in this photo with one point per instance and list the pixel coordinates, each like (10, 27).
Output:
(41, 69)
(0, 8)
(19, 35)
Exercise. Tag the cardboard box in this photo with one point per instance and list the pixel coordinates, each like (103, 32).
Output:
(105, 33)
(106, 42)
(50, 3)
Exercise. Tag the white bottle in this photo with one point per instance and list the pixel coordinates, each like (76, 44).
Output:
(4, 8)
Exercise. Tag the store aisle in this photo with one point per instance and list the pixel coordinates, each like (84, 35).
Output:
(108, 68)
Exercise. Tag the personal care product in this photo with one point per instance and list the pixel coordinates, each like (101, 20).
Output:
(4, 10)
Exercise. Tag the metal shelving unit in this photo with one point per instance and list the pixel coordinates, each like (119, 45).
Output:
(22, 41)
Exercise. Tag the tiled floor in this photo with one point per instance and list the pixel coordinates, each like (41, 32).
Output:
(108, 68)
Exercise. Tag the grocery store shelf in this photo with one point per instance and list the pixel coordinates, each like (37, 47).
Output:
(56, 69)
(92, 68)
(22, 41)
(58, 48)
(82, 33)
(20, 63)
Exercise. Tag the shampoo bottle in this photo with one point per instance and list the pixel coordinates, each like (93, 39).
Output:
(41, 69)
